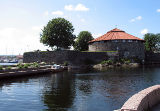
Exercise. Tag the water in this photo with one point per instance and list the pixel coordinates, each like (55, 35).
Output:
(76, 91)
(7, 64)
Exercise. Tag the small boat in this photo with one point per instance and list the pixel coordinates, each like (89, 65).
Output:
(13, 62)
(57, 68)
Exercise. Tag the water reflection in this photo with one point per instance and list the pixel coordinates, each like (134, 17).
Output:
(59, 92)
(77, 90)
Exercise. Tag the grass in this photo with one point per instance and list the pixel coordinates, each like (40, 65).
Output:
(20, 66)
(26, 66)
(8, 68)
(81, 51)
(107, 62)
(35, 65)
(1, 67)
(99, 51)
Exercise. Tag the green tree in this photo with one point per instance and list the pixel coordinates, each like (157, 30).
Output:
(58, 33)
(158, 43)
(82, 40)
(152, 41)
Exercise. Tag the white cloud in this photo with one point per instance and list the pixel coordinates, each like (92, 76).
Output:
(132, 20)
(15, 40)
(136, 18)
(69, 7)
(83, 20)
(46, 13)
(81, 7)
(144, 31)
(37, 28)
(97, 35)
(57, 13)
(158, 10)
(139, 18)
(78, 7)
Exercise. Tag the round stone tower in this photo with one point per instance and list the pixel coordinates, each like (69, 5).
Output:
(127, 45)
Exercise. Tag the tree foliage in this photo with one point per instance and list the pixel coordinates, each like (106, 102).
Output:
(152, 42)
(58, 33)
(81, 42)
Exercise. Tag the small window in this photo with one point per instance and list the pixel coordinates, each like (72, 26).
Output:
(130, 41)
(114, 40)
(117, 48)
(123, 40)
(102, 41)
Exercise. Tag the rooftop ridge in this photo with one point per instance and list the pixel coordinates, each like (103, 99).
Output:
(116, 30)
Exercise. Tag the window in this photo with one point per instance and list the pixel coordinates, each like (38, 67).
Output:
(102, 41)
(123, 40)
(114, 40)
(130, 41)
(117, 48)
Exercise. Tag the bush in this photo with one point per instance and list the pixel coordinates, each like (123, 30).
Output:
(25, 66)
(35, 64)
(107, 62)
(20, 66)
(121, 61)
(125, 61)
(103, 62)
(65, 63)
(1, 67)
(8, 68)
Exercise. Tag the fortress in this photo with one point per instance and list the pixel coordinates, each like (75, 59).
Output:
(128, 46)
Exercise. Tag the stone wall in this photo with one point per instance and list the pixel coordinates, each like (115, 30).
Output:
(152, 58)
(72, 57)
(143, 100)
(133, 49)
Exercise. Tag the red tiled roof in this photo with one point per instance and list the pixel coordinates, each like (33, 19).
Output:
(116, 34)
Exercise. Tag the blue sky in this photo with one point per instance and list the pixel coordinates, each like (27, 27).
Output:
(21, 21)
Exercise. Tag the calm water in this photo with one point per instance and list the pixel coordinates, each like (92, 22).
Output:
(76, 91)
(7, 64)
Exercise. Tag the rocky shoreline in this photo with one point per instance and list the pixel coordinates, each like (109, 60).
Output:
(104, 66)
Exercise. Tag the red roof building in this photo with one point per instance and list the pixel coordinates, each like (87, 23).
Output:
(116, 34)
(128, 46)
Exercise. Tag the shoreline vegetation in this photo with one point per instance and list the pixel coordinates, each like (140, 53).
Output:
(108, 64)
(20, 66)
(124, 63)
(26, 69)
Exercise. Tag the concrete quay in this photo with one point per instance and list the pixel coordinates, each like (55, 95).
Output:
(143, 100)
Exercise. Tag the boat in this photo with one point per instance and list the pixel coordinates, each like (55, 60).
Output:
(16, 61)
(57, 68)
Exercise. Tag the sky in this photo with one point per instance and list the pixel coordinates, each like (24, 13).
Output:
(21, 21)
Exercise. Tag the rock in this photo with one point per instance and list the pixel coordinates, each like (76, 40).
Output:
(98, 66)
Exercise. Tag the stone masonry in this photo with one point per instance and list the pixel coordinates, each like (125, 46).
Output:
(72, 57)
(134, 49)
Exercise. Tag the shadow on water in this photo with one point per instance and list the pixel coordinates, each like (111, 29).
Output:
(58, 92)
